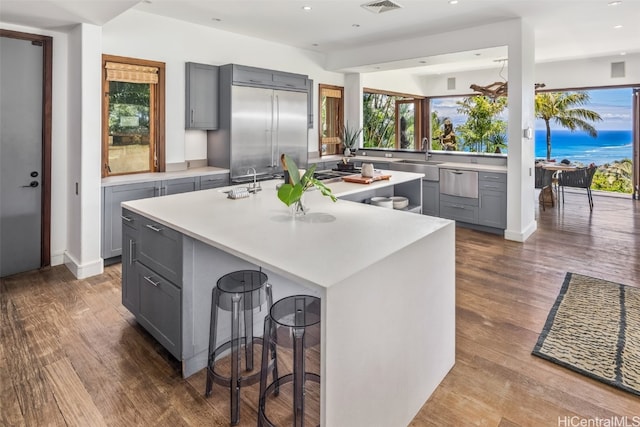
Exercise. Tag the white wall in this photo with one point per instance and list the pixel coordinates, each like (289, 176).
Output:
(588, 72)
(142, 35)
(401, 81)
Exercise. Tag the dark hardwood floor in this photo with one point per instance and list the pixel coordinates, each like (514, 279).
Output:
(72, 355)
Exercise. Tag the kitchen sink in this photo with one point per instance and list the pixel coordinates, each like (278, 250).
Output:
(428, 167)
(419, 162)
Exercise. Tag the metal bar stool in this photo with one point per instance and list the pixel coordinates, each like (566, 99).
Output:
(292, 322)
(236, 292)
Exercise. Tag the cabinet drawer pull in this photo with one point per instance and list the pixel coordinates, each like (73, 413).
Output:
(490, 186)
(150, 280)
(458, 206)
(126, 218)
(152, 227)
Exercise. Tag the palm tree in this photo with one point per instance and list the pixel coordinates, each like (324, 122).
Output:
(558, 106)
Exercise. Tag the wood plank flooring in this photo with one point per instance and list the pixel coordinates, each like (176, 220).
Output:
(72, 355)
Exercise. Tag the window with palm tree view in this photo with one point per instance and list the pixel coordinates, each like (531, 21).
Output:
(391, 121)
(584, 127)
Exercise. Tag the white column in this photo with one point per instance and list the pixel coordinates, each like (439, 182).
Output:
(353, 111)
(82, 256)
(520, 180)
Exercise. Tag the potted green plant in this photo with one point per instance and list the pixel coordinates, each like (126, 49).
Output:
(350, 138)
(290, 193)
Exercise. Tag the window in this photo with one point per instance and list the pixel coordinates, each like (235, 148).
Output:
(331, 118)
(474, 124)
(392, 121)
(132, 116)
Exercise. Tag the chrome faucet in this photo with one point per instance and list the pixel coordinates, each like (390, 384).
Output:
(426, 147)
(255, 187)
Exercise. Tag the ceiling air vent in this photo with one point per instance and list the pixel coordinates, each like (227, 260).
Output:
(381, 6)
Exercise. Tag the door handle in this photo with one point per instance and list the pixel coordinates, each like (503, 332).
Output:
(32, 184)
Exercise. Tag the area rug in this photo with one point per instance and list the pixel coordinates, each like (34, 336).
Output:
(594, 329)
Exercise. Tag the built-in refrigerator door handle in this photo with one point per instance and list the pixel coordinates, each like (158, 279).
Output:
(271, 135)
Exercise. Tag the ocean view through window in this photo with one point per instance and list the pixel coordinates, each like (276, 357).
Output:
(614, 141)
(607, 147)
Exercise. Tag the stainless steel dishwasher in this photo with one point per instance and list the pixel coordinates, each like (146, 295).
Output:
(459, 183)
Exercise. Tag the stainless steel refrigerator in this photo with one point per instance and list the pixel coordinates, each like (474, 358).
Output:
(257, 125)
(264, 124)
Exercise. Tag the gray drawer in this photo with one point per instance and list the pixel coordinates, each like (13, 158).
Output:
(492, 177)
(492, 185)
(160, 249)
(130, 219)
(456, 200)
(459, 212)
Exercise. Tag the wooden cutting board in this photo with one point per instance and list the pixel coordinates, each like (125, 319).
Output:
(359, 179)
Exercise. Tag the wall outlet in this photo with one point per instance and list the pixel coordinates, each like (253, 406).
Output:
(388, 155)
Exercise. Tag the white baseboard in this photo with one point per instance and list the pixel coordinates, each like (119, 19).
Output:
(57, 259)
(523, 235)
(82, 271)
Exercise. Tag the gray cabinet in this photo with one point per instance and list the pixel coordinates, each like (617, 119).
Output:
(310, 104)
(160, 309)
(431, 198)
(152, 278)
(130, 288)
(492, 193)
(201, 82)
(464, 209)
(111, 221)
(243, 75)
(112, 196)
(160, 248)
(213, 181)
(178, 185)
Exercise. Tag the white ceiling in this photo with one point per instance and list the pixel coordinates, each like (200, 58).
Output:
(564, 29)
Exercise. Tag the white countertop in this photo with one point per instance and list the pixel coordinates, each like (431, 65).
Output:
(331, 243)
(442, 164)
(159, 176)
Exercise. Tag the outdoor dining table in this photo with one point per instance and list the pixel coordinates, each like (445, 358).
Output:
(549, 193)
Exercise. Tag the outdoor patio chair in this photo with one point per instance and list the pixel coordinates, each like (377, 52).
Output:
(579, 178)
(543, 181)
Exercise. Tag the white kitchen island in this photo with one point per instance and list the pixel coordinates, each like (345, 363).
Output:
(386, 279)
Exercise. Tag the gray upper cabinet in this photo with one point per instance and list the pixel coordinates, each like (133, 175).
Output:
(310, 103)
(201, 83)
(243, 75)
(111, 214)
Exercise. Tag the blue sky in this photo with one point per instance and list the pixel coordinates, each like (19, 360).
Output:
(613, 105)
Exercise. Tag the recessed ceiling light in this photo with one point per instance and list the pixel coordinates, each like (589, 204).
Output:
(422, 62)
(355, 25)
(216, 19)
(453, 1)
(617, 27)
(477, 54)
(614, 3)
(306, 8)
(623, 53)
(315, 44)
